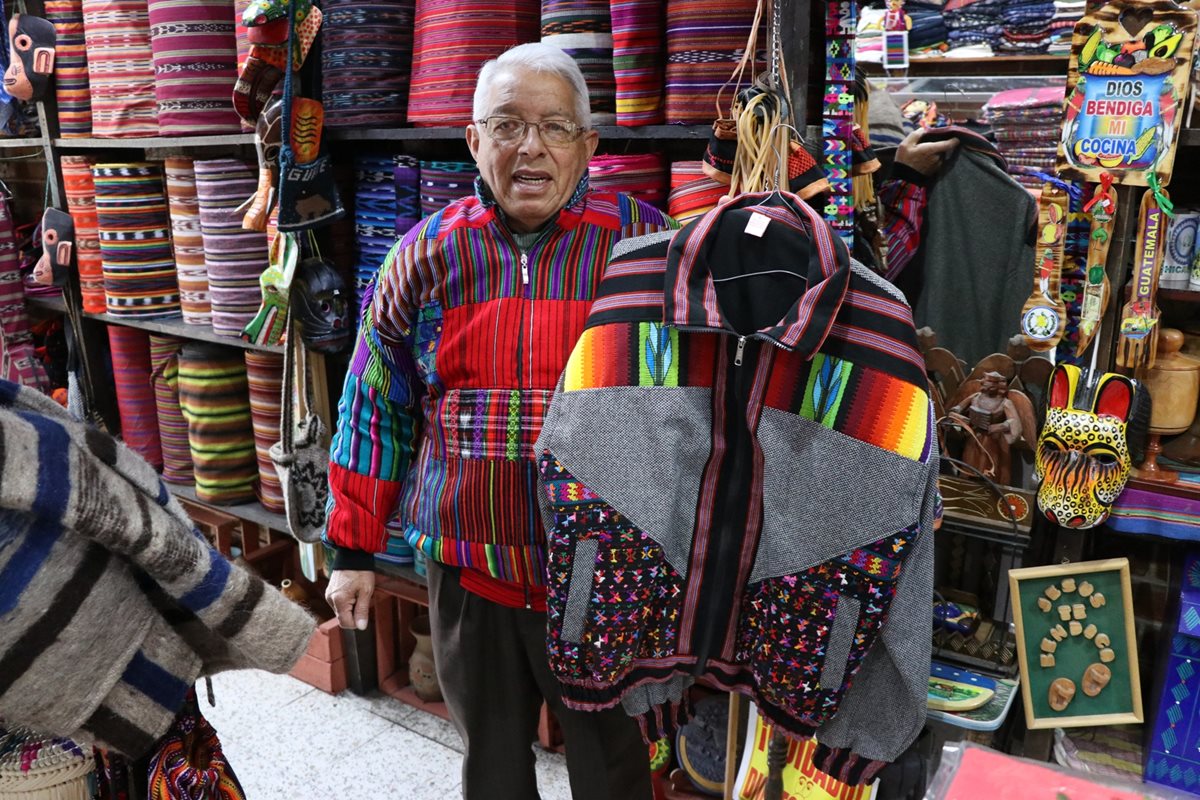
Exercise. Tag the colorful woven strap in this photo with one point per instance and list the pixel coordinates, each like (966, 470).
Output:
(841, 18)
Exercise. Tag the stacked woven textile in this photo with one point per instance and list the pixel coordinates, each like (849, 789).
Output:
(366, 61)
(1027, 125)
(195, 66)
(374, 217)
(188, 240)
(234, 258)
(18, 363)
(407, 175)
(693, 193)
(973, 23)
(1026, 26)
(80, 190)
(135, 240)
(1066, 14)
(172, 427)
(929, 32)
(136, 403)
(71, 88)
(443, 182)
(641, 175)
(583, 30)
(451, 41)
(120, 68)
(705, 42)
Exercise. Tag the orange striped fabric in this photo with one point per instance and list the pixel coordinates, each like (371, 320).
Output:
(81, 203)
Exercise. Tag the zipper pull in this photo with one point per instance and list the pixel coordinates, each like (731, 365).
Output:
(525, 268)
(741, 348)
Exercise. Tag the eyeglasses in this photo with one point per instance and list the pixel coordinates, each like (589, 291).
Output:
(554, 132)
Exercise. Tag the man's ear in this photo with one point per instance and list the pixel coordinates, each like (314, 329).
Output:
(592, 139)
(473, 140)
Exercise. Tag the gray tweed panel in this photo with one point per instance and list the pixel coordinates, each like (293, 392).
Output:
(641, 699)
(579, 595)
(637, 242)
(825, 493)
(866, 273)
(837, 650)
(642, 449)
(18, 457)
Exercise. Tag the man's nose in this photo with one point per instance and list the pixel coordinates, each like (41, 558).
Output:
(532, 141)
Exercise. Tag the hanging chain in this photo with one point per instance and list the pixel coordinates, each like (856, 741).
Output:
(776, 12)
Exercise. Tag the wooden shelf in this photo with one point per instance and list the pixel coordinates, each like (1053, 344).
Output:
(30, 142)
(153, 142)
(175, 326)
(455, 133)
(252, 512)
(1000, 65)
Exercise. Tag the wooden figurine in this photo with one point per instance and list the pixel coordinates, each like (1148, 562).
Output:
(996, 418)
(1174, 386)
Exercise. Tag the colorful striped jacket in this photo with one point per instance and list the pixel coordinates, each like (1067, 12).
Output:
(739, 471)
(463, 337)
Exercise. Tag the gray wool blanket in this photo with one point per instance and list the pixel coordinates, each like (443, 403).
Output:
(111, 603)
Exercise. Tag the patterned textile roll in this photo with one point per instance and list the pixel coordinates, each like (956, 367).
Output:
(366, 61)
(120, 67)
(195, 66)
(215, 400)
(18, 363)
(374, 216)
(583, 29)
(188, 242)
(693, 193)
(264, 372)
(70, 68)
(81, 203)
(705, 41)
(642, 175)
(443, 182)
(172, 427)
(407, 176)
(637, 27)
(135, 395)
(241, 33)
(233, 257)
(451, 40)
(135, 240)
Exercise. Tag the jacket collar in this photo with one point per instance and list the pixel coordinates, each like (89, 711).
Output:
(568, 216)
(691, 299)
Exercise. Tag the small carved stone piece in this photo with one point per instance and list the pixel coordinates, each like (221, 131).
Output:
(1102, 640)
(1047, 660)
(1064, 612)
(1089, 631)
(1052, 592)
(1062, 691)
(1076, 627)
(1049, 645)
(1078, 611)
(1085, 589)
(1095, 678)
(1107, 655)
(1044, 604)
(1068, 585)
(1058, 632)
(1097, 600)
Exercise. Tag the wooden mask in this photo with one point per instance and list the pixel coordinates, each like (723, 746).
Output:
(58, 248)
(31, 56)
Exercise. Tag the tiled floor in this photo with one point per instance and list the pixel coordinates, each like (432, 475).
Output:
(289, 741)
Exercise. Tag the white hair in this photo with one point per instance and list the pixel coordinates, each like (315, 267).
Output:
(538, 57)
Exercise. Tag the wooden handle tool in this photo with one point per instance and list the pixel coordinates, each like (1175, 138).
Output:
(1044, 316)
(1139, 316)
(1096, 287)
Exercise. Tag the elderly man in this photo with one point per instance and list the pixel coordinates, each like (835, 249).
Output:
(466, 329)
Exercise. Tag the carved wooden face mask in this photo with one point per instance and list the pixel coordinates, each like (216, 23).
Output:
(319, 305)
(58, 248)
(31, 57)
(1082, 457)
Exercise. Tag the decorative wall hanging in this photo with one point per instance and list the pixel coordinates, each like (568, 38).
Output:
(1096, 290)
(1139, 316)
(1082, 455)
(31, 57)
(1044, 317)
(1127, 81)
(1076, 644)
(841, 18)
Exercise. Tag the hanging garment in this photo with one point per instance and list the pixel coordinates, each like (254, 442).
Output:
(746, 492)
(96, 544)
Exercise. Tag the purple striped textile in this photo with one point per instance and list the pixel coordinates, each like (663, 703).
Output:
(443, 182)
(187, 240)
(18, 363)
(264, 371)
(135, 396)
(637, 27)
(172, 427)
(705, 41)
(195, 66)
(71, 88)
(407, 175)
(233, 257)
(640, 175)
(583, 30)
(366, 61)
(120, 68)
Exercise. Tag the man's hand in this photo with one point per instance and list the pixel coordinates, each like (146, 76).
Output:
(349, 594)
(925, 157)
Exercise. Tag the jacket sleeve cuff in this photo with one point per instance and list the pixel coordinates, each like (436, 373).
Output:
(903, 172)
(346, 558)
(845, 765)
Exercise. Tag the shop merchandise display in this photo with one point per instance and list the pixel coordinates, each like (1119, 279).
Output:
(1097, 288)
(376, 186)
(135, 393)
(407, 178)
(366, 61)
(705, 40)
(172, 427)
(443, 182)
(71, 87)
(80, 189)
(640, 176)
(187, 240)
(1140, 315)
(1044, 316)
(18, 362)
(31, 57)
(637, 28)
(583, 29)
(120, 67)
(195, 66)
(1027, 125)
(693, 192)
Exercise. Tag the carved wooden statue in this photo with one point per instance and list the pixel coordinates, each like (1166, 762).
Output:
(996, 418)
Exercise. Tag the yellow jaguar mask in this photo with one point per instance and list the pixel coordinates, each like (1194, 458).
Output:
(1082, 457)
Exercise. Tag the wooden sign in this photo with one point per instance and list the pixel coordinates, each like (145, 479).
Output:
(1126, 88)
(1076, 644)
(1138, 344)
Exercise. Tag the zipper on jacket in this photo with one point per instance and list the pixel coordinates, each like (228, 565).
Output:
(524, 268)
(741, 348)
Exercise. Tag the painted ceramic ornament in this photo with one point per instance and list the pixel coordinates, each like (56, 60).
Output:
(1044, 316)
(1138, 344)
(1082, 457)
(1128, 79)
(31, 56)
(58, 249)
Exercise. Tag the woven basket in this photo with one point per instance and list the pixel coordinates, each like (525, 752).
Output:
(34, 767)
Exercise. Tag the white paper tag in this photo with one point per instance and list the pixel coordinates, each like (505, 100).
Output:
(757, 225)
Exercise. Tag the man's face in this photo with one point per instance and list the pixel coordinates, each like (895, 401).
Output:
(530, 180)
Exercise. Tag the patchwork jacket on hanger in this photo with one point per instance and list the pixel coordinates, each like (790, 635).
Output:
(740, 480)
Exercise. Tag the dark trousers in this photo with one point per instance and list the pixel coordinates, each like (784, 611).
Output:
(491, 663)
